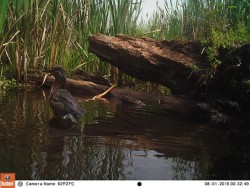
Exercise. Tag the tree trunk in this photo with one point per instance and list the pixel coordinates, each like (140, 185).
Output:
(175, 64)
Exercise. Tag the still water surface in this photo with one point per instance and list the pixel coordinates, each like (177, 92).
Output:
(115, 141)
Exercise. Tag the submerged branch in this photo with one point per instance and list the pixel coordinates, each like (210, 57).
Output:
(44, 79)
(104, 93)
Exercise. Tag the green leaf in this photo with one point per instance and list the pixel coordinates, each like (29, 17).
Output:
(4, 8)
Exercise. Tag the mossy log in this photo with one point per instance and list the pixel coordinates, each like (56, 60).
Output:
(177, 65)
(181, 67)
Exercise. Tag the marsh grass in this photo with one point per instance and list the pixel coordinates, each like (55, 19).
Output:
(44, 33)
(194, 19)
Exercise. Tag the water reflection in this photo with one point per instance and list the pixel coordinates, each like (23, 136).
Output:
(113, 141)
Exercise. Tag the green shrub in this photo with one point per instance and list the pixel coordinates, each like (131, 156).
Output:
(225, 39)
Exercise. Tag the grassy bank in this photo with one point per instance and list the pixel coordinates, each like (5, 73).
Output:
(39, 33)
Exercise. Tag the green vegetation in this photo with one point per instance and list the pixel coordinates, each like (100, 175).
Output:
(6, 84)
(38, 33)
(194, 19)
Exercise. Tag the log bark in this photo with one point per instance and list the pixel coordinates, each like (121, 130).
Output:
(184, 106)
(78, 87)
(176, 106)
(175, 64)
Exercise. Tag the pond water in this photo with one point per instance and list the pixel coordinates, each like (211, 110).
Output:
(114, 141)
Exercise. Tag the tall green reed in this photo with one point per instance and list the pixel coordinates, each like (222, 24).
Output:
(4, 7)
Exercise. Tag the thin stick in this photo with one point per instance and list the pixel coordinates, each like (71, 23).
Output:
(44, 79)
(104, 93)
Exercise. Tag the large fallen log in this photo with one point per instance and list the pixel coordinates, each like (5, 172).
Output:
(181, 105)
(175, 64)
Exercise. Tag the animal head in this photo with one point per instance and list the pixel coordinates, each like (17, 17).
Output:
(58, 72)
